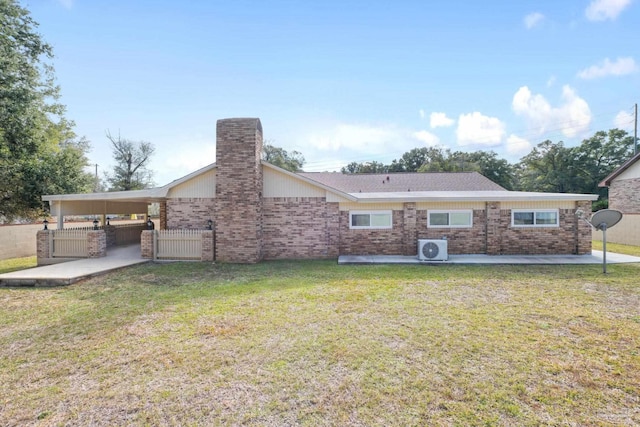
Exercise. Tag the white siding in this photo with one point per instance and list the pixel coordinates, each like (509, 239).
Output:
(543, 204)
(353, 206)
(626, 232)
(278, 184)
(332, 197)
(421, 206)
(631, 173)
(202, 186)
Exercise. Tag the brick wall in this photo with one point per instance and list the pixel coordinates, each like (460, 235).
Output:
(96, 243)
(410, 224)
(492, 230)
(43, 249)
(491, 234)
(583, 230)
(460, 240)
(375, 241)
(544, 240)
(297, 228)
(163, 215)
(188, 213)
(333, 229)
(146, 244)
(624, 195)
(207, 245)
(238, 208)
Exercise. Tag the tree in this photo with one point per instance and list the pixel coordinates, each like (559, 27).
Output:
(367, 167)
(548, 168)
(39, 152)
(598, 156)
(556, 168)
(277, 156)
(132, 158)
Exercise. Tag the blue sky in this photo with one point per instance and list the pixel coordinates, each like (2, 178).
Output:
(343, 81)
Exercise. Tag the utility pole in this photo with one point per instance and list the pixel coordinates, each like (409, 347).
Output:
(95, 184)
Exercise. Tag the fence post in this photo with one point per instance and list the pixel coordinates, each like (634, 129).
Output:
(155, 244)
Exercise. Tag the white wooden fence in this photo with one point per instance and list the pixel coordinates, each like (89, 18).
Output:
(179, 244)
(69, 243)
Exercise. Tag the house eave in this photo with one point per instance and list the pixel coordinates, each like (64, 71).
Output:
(613, 175)
(469, 196)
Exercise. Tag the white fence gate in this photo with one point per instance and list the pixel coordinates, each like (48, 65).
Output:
(69, 244)
(179, 244)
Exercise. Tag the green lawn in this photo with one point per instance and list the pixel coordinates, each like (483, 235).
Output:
(7, 265)
(313, 343)
(617, 248)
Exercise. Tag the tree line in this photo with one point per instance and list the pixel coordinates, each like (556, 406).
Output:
(39, 151)
(549, 167)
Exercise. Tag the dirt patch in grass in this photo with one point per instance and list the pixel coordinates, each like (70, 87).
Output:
(312, 343)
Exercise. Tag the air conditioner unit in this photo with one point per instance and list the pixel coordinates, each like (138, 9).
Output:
(432, 250)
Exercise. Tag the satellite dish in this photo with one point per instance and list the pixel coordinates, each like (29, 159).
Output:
(605, 218)
(601, 220)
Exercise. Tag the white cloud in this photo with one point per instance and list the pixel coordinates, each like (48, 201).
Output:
(428, 138)
(621, 67)
(551, 81)
(355, 137)
(332, 146)
(533, 19)
(624, 120)
(601, 10)
(440, 120)
(421, 114)
(572, 116)
(477, 129)
(517, 145)
(67, 4)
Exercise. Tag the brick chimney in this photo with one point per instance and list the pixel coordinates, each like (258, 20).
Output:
(238, 204)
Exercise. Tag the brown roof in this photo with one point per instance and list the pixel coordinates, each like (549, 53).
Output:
(613, 175)
(400, 182)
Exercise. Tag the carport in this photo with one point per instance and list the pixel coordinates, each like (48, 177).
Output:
(103, 204)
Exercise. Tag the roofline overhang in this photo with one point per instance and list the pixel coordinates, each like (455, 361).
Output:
(470, 196)
(149, 195)
(613, 175)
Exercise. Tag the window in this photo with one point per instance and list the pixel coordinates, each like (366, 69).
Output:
(370, 219)
(534, 218)
(450, 219)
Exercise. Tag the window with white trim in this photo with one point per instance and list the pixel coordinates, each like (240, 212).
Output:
(535, 218)
(461, 218)
(370, 219)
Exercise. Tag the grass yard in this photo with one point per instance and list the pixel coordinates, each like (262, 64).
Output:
(313, 343)
(13, 264)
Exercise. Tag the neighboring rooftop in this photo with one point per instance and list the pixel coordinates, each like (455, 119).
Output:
(613, 175)
(403, 182)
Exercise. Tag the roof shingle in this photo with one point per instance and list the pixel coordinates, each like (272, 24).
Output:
(401, 182)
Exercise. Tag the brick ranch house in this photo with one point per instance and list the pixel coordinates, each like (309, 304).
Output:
(624, 195)
(262, 212)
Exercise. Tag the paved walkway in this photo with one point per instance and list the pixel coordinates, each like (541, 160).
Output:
(594, 258)
(70, 272)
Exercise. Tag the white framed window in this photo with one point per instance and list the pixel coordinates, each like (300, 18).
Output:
(461, 218)
(370, 219)
(535, 218)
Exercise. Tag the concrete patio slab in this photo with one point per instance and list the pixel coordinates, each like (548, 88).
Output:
(594, 258)
(70, 272)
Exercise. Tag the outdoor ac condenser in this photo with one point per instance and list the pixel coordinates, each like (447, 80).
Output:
(432, 250)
